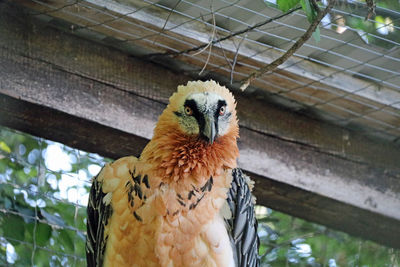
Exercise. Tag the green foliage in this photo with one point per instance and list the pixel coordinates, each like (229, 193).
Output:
(317, 35)
(383, 31)
(31, 187)
(13, 227)
(290, 241)
(306, 6)
(285, 5)
(309, 9)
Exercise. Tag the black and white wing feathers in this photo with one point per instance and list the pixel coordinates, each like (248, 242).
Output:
(242, 224)
(98, 213)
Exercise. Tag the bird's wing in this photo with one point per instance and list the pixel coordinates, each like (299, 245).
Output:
(98, 213)
(242, 224)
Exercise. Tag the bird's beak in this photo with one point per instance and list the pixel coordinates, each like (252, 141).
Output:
(209, 130)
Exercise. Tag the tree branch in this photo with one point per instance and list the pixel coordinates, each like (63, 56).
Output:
(250, 28)
(273, 65)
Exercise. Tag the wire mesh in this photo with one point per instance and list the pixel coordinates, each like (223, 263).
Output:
(44, 189)
(362, 103)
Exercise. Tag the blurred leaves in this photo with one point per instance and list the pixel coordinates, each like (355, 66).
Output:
(380, 30)
(43, 234)
(53, 219)
(309, 9)
(311, 14)
(4, 147)
(43, 194)
(13, 227)
(290, 241)
(67, 240)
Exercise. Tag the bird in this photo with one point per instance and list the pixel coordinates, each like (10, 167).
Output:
(184, 201)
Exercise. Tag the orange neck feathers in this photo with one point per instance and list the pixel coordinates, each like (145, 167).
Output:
(177, 155)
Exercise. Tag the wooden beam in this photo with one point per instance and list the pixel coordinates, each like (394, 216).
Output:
(76, 132)
(88, 96)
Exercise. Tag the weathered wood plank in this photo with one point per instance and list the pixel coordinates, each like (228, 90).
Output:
(76, 132)
(95, 98)
(326, 211)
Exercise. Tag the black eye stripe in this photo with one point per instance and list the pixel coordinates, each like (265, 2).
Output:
(192, 105)
(177, 113)
(221, 103)
(196, 113)
(199, 116)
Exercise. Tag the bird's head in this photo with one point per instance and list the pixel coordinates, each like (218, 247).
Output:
(196, 134)
(204, 110)
(204, 114)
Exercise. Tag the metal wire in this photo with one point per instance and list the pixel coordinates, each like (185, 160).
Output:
(37, 219)
(287, 39)
(36, 213)
(390, 74)
(216, 12)
(51, 10)
(26, 164)
(40, 194)
(36, 195)
(301, 86)
(377, 8)
(332, 22)
(360, 63)
(47, 249)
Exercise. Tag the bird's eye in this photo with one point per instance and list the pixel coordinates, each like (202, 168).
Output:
(222, 110)
(188, 111)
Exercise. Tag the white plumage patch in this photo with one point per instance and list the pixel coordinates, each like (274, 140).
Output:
(225, 211)
(218, 240)
(205, 101)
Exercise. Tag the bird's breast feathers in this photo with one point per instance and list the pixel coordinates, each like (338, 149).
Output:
(167, 207)
(165, 224)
